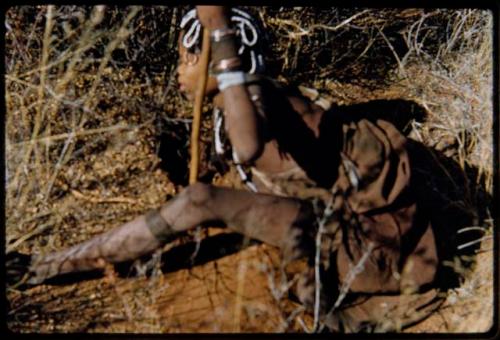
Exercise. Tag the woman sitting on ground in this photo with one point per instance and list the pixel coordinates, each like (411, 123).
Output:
(343, 183)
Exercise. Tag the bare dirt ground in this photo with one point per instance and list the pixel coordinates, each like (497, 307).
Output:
(95, 143)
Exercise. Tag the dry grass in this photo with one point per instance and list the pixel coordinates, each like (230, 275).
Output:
(455, 85)
(73, 95)
(88, 89)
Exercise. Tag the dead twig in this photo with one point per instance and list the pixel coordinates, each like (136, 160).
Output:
(39, 229)
(351, 275)
(61, 136)
(119, 199)
(306, 31)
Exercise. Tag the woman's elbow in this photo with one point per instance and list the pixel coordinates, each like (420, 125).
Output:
(249, 152)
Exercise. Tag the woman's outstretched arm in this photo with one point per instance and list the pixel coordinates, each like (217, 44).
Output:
(278, 221)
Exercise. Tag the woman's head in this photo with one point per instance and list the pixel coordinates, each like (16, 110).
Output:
(249, 36)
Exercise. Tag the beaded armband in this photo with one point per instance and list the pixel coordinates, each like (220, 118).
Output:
(220, 34)
(224, 51)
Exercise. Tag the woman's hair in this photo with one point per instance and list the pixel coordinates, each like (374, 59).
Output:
(249, 35)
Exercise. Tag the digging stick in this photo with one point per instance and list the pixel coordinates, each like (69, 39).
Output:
(198, 105)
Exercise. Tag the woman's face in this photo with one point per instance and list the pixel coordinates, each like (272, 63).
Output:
(189, 72)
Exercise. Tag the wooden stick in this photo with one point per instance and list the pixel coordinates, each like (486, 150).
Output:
(198, 104)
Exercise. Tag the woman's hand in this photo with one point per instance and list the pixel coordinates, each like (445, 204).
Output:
(213, 17)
